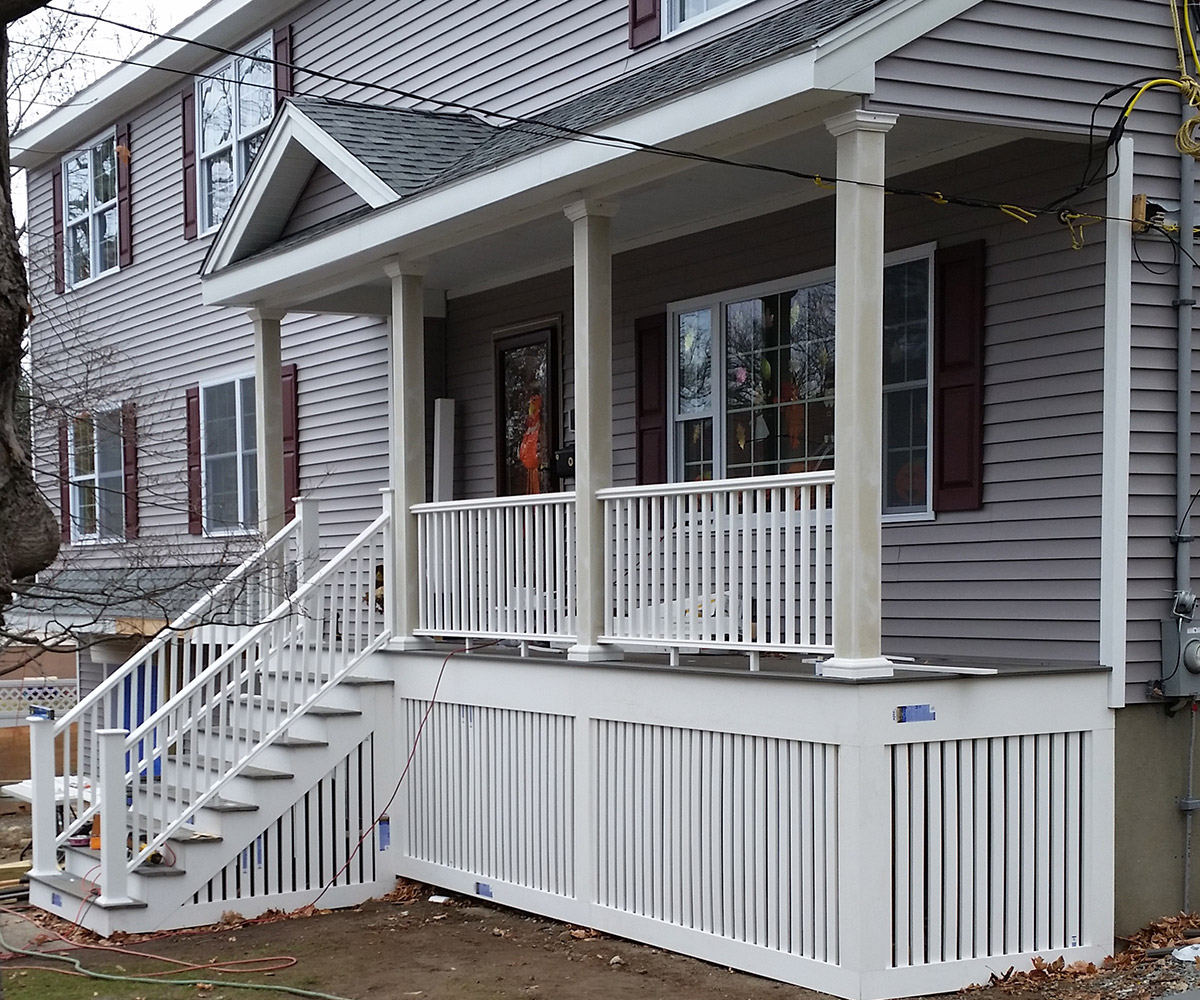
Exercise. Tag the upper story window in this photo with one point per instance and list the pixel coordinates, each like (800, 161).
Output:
(681, 13)
(229, 455)
(90, 227)
(753, 382)
(97, 477)
(235, 101)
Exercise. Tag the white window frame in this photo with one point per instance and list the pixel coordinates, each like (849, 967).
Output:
(79, 482)
(236, 143)
(716, 304)
(674, 22)
(96, 210)
(247, 512)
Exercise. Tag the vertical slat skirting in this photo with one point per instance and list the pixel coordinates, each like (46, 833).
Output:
(987, 847)
(724, 833)
(490, 792)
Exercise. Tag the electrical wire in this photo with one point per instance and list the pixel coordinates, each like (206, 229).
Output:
(404, 771)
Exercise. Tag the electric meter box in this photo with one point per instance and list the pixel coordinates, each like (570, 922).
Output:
(1180, 666)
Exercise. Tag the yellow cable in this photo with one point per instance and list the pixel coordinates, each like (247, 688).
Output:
(1150, 86)
(1187, 22)
(1018, 213)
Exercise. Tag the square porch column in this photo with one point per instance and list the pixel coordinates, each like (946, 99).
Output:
(593, 419)
(406, 450)
(858, 396)
(268, 419)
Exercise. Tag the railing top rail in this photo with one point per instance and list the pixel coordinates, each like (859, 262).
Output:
(281, 610)
(188, 619)
(486, 503)
(824, 478)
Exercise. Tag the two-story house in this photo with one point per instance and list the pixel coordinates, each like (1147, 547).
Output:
(782, 413)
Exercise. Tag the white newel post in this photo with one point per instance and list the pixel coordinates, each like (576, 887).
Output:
(406, 449)
(113, 824)
(42, 782)
(858, 392)
(268, 418)
(593, 418)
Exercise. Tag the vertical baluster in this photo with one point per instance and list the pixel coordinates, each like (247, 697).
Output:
(778, 550)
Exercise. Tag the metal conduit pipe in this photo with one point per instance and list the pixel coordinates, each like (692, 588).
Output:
(1185, 304)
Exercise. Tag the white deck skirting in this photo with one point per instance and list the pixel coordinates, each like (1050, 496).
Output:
(791, 827)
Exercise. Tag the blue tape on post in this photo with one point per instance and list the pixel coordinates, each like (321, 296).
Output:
(483, 889)
(914, 713)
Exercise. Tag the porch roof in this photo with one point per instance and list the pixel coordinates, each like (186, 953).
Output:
(756, 89)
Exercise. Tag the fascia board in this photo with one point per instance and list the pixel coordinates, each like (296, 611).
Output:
(225, 23)
(495, 198)
(272, 178)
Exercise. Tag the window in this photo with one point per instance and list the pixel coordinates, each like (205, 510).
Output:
(229, 462)
(89, 178)
(97, 477)
(753, 382)
(236, 101)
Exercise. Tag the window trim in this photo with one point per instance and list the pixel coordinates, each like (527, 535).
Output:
(204, 224)
(74, 481)
(673, 25)
(63, 189)
(248, 521)
(716, 302)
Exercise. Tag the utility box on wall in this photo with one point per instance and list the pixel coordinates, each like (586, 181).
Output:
(1181, 657)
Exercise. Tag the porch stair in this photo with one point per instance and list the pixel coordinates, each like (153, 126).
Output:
(254, 761)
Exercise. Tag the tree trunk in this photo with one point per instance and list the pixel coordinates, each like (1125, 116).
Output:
(29, 533)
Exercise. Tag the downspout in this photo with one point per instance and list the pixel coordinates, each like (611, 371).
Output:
(1185, 303)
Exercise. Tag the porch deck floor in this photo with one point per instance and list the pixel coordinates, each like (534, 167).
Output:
(797, 666)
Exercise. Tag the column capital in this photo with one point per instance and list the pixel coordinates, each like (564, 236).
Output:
(584, 207)
(260, 314)
(859, 120)
(398, 267)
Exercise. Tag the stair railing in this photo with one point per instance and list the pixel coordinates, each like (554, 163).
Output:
(66, 775)
(185, 754)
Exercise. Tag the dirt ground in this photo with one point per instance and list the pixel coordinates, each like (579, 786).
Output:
(405, 945)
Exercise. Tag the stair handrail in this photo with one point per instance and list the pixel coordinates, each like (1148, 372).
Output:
(284, 609)
(190, 618)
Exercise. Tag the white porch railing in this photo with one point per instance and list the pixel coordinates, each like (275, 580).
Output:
(742, 564)
(130, 694)
(500, 568)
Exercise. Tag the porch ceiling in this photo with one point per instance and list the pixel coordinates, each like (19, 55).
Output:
(659, 198)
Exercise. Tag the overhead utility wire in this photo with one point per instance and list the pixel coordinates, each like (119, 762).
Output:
(540, 126)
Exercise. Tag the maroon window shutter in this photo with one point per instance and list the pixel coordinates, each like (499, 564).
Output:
(195, 517)
(282, 43)
(124, 202)
(189, 164)
(60, 274)
(64, 480)
(958, 378)
(130, 462)
(291, 442)
(644, 22)
(650, 340)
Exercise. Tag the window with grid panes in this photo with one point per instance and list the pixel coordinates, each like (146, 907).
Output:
(89, 178)
(97, 472)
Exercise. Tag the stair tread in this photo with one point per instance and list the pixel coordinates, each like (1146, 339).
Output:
(316, 710)
(73, 885)
(147, 868)
(251, 771)
(219, 804)
(291, 742)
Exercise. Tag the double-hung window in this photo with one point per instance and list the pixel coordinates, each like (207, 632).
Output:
(681, 13)
(229, 458)
(89, 179)
(753, 381)
(97, 477)
(235, 100)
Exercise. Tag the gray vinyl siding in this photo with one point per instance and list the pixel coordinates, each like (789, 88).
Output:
(1018, 578)
(1005, 60)
(324, 197)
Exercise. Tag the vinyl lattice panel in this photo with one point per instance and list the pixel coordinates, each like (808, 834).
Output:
(724, 833)
(988, 846)
(491, 791)
(308, 846)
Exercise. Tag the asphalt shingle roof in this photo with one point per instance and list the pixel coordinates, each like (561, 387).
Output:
(406, 149)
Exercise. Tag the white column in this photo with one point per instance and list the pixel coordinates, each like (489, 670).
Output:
(268, 418)
(113, 825)
(593, 419)
(858, 395)
(406, 447)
